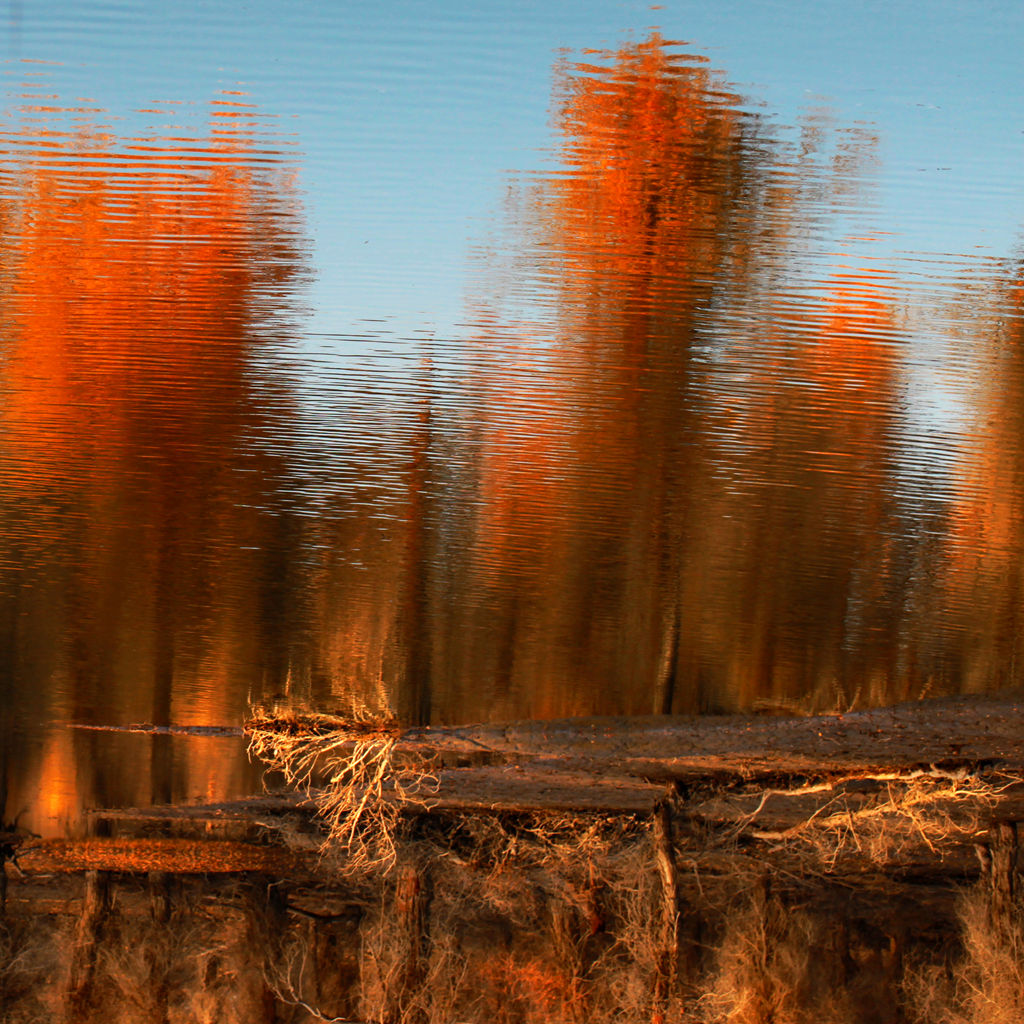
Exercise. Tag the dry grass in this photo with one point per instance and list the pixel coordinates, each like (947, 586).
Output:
(33, 963)
(586, 890)
(537, 919)
(625, 976)
(441, 985)
(769, 967)
(519, 929)
(353, 771)
(200, 963)
(139, 968)
(291, 977)
(985, 983)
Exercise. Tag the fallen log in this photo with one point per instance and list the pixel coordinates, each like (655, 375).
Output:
(170, 855)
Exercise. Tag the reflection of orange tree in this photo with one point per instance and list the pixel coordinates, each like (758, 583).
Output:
(810, 602)
(373, 600)
(652, 213)
(985, 569)
(133, 272)
(656, 159)
(137, 274)
(612, 558)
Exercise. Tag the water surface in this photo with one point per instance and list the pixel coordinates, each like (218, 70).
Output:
(495, 371)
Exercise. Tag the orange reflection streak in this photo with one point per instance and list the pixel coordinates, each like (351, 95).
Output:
(580, 476)
(985, 589)
(56, 800)
(814, 568)
(120, 281)
(850, 370)
(137, 287)
(652, 147)
(987, 517)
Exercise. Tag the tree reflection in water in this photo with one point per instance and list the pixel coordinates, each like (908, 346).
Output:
(141, 277)
(687, 477)
(685, 492)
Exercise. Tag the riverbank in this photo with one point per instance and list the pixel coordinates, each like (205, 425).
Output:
(747, 869)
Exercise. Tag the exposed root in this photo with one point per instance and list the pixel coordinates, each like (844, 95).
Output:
(727, 915)
(880, 816)
(286, 978)
(350, 769)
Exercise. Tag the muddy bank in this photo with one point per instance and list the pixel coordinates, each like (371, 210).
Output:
(957, 730)
(624, 764)
(929, 777)
(838, 869)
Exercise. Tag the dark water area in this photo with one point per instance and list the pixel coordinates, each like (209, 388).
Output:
(712, 402)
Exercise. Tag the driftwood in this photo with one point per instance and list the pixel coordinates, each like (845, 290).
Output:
(148, 729)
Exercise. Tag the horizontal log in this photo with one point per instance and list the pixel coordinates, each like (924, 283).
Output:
(176, 856)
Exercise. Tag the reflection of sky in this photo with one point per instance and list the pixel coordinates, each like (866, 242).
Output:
(409, 115)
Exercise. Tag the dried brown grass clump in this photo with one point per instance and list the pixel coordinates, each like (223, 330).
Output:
(525, 915)
(291, 976)
(139, 965)
(985, 984)
(769, 969)
(190, 967)
(33, 963)
(587, 893)
(625, 978)
(353, 771)
(413, 987)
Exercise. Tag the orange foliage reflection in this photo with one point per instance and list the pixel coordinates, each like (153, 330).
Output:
(659, 525)
(812, 613)
(585, 467)
(655, 153)
(130, 272)
(138, 277)
(985, 562)
(655, 156)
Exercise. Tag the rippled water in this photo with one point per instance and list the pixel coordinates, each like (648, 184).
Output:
(484, 368)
